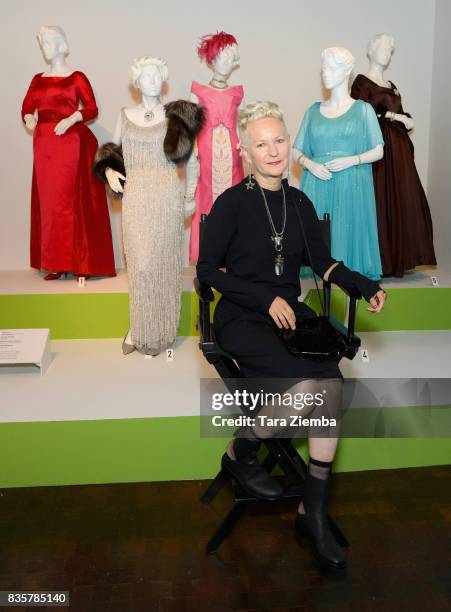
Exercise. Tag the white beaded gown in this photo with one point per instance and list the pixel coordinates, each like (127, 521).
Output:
(152, 225)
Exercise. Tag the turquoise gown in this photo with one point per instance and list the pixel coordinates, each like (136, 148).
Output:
(349, 195)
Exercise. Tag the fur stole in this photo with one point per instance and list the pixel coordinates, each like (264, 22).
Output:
(108, 156)
(185, 120)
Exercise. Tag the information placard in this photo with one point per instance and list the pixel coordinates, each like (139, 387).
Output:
(25, 347)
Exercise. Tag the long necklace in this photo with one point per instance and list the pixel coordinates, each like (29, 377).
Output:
(277, 237)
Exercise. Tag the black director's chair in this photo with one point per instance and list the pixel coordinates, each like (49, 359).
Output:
(280, 451)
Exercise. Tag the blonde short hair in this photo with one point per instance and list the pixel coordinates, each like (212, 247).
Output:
(372, 44)
(257, 110)
(147, 60)
(57, 33)
(340, 56)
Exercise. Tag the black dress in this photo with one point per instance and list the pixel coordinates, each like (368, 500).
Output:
(238, 237)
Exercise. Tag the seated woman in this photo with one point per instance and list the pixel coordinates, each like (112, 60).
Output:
(254, 231)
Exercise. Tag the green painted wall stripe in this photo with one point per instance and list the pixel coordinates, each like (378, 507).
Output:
(144, 450)
(105, 315)
(405, 309)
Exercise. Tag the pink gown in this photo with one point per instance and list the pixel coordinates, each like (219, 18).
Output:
(219, 158)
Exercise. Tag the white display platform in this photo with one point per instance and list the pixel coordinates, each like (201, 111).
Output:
(31, 282)
(91, 379)
(25, 347)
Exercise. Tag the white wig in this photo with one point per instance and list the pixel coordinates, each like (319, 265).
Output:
(57, 33)
(340, 56)
(257, 110)
(375, 41)
(234, 52)
(147, 60)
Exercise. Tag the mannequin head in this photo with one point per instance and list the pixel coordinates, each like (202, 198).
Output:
(220, 52)
(148, 74)
(53, 42)
(336, 66)
(264, 140)
(380, 49)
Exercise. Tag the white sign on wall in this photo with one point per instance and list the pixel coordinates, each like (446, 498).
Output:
(25, 347)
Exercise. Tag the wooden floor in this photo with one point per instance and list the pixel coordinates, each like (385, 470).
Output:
(141, 547)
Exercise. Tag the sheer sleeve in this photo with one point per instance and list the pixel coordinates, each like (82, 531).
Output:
(373, 131)
(219, 233)
(302, 140)
(86, 95)
(29, 102)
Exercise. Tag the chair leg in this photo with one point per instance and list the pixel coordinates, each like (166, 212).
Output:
(220, 481)
(225, 527)
(284, 457)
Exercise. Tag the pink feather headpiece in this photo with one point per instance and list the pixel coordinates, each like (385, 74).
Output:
(212, 44)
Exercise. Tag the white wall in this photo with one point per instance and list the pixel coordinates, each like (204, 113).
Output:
(440, 142)
(280, 45)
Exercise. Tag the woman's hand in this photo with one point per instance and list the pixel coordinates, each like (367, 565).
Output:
(113, 176)
(342, 163)
(318, 170)
(282, 314)
(377, 301)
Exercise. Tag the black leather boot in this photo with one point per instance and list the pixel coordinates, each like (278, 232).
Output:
(314, 524)
(248, 472)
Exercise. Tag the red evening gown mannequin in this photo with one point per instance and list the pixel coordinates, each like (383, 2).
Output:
(70, 225)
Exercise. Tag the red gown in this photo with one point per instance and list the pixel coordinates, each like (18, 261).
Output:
(70, 226)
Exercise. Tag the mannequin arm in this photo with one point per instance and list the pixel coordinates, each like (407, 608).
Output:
(405, 119)
(192, 175)
(29, 106)
(114, 176)
(109, 162)
(368, 157)
(318, 170)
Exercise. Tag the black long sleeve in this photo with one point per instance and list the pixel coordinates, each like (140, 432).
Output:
(344, 277)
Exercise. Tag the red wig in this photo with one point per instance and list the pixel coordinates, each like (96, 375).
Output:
(212, 44)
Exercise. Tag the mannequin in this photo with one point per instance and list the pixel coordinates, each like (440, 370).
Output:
(404, 219)
(336, 143)
(70, 225)
(153, 138)
(220, 161)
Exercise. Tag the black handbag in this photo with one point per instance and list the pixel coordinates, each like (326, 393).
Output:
(314, 337)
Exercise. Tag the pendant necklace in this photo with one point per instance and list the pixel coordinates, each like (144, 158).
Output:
(277, 237)
(149, 114)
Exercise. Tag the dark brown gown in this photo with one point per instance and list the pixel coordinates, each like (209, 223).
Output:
(403, 215)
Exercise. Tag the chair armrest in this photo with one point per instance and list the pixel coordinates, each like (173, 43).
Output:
(204, 292)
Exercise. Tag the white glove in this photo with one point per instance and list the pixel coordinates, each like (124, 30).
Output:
(113, 176)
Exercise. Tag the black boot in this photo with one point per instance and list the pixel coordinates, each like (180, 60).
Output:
(314, 524)
(248, 472)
